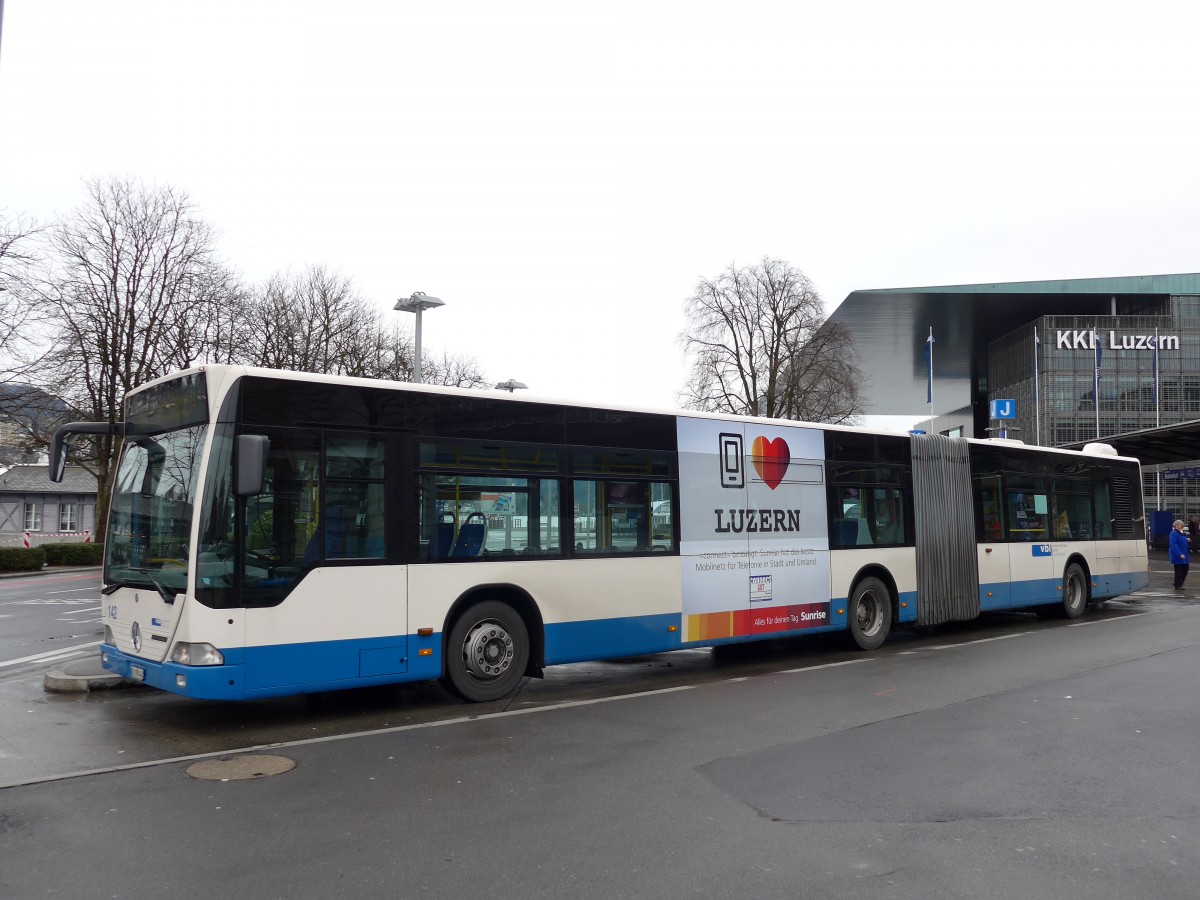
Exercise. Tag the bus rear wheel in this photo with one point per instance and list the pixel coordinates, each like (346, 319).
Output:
(1074, 596)
(486, 653)
(870, 613)
(1075, 592)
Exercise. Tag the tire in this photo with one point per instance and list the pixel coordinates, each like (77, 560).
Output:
(1075, 592)
(486, 653)
(870, 613)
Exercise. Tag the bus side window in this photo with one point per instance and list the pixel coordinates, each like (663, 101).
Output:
(987, 503)
(280, 522)
(543, 528)
(353, 521)
(662, 522)
(888, 516)
(1102, 502)
(1027, 514)
(619, 516)
(848, 522)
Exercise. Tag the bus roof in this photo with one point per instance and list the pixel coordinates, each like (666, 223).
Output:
(225, 373)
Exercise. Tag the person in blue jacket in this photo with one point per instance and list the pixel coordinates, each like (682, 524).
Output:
(1179, 553)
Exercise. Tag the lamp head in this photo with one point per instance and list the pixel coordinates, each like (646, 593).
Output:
(417, 302)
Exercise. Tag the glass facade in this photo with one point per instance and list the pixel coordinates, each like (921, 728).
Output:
(1142, 382)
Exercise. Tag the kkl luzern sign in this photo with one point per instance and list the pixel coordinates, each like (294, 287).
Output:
(1087, 340)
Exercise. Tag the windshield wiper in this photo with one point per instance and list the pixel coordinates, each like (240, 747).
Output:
(167, 594)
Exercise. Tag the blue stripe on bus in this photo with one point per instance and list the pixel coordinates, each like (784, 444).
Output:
(610, 638)
(1037, 592)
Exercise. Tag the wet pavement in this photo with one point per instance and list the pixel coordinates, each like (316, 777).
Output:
(59, 721)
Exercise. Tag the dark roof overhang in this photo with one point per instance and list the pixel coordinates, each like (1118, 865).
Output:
(1156, 446)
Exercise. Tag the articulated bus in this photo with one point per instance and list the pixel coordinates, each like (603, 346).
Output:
(275, 533)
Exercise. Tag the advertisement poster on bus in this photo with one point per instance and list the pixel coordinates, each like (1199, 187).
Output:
(754, 538)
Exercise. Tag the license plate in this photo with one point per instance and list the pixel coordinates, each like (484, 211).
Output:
(137, 673)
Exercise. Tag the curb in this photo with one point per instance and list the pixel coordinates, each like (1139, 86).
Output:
(81, 676)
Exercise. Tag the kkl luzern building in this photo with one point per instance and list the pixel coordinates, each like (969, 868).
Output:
(1077, 360)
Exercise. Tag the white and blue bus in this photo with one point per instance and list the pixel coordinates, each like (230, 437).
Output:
(276, 533)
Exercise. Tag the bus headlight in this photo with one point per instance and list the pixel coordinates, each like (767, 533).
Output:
(197, 655)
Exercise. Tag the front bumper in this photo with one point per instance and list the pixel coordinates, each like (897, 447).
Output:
(202, 682)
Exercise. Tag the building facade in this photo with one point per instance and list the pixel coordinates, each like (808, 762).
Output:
(48, 511)
(1146, 369)
(1062, 361)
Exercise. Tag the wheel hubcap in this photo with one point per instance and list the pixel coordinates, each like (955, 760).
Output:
(1074, 590)
(488, 651)
(868, 613)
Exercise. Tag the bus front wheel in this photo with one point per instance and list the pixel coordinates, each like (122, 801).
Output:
(486, 652)
(870, 613)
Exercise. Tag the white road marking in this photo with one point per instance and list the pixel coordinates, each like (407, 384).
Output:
(61, 656)
(1106, 621)
(55, 602)
(845, 662)
(37, 657)
(1002, 637)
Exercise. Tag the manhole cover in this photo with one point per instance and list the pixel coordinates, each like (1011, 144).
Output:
(241, 768)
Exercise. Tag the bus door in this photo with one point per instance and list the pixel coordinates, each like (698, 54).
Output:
(993, 551)
(1031, 560)
(321, 608)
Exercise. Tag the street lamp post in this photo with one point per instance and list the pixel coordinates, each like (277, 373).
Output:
(418, 303)
(512, 386)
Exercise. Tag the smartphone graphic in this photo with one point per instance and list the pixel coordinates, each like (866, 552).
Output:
(732, 454)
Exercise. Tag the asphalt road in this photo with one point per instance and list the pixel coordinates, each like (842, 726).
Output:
(48, 615)
(1010, 758)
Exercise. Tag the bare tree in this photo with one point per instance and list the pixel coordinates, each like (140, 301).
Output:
(390, 352)
(30, 414)
(123, 278)
(315, 321)
(453, 371)
(18, 253)
(215, 327)
(760, 346)
(821, 381)
(394, 361)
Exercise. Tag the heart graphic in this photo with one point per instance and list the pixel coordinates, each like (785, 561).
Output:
(771, 460)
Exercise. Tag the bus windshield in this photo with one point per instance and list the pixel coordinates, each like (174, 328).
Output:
(151, 516)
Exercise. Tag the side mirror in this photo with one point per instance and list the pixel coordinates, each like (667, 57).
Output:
(251, 450)
(58, 448)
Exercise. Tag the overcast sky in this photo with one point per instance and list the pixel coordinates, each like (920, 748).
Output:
(561, 174)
